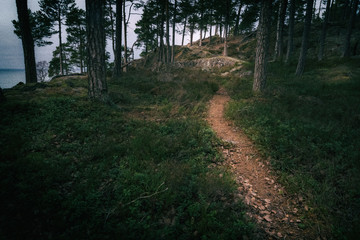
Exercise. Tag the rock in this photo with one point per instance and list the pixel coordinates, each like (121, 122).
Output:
(265, 213)
(268, 218)
(245, 74)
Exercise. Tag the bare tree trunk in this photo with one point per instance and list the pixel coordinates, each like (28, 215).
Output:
(318, 15)
(237, 22)
(81, 56)
(96, 50)
(225, 53)
(290, 45)
(201, 26)
(125, 36)
(191, 33)
(279, 32)
(112, 27)
(210, 33)
(118, 33)
(173, 34)
(168, 52)
(27, 41)
(262, 46)
(305, 39)
(221, 32)
(183, 34)
(314, 8)
(323, 31)
(346, 51)
(60, 45)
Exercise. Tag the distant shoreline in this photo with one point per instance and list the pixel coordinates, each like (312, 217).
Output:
(10, 77)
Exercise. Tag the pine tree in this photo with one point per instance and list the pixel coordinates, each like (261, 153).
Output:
(76, 37)
(96, 50)
(118, 33)
(354, 7)
(290, 44)
(41, 28)
(279, 30)
(305, 38)
(262, 46)
(324, 30)
(56, 11)
(27, 41)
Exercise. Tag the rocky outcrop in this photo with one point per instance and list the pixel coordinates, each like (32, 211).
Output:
(208, 64)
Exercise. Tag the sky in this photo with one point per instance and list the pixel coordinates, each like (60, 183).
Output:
(11, 53)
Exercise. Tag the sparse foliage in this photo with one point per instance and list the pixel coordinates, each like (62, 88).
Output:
(42, 68)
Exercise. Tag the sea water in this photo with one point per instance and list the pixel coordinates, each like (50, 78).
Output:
(11, 77)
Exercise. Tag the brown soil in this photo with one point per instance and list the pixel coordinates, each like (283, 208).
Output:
(281, 216)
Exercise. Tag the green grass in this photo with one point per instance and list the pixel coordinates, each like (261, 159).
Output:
(309, 126)
(75, 169)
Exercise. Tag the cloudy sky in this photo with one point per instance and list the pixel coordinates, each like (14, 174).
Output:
(11, 55)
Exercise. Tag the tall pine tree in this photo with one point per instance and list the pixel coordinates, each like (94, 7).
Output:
(305, 38)
(27, 41)
(96, 50)
(262, 46)
(56, 11)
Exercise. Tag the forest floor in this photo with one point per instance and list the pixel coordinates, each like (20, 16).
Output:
(276, 212)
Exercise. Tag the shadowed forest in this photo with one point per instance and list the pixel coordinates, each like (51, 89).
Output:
(130, 148)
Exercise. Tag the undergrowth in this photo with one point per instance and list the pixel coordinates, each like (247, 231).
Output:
(75, 169)
(310, 128)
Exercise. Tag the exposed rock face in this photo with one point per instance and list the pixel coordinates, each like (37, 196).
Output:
(209, 63)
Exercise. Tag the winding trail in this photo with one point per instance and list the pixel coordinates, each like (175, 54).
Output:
(269, 205)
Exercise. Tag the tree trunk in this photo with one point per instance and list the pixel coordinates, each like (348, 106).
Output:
(279, 32)
(210, 33)
(346, 51)
(112, 27)
(118, 33)
(221, 32)
(262, 46)
(225, 53)
(168, 53)
(125, 36)
(60, 45)
(305, 39)
(96, 50)
(237, 22)
(27, 41)
(323, 31)
(290, 45)
(173, 34)
(81, 46)
(191, 33)
(201, 28)
(205, 32)
(183, 34)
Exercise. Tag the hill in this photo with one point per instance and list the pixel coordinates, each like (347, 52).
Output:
(152, 167)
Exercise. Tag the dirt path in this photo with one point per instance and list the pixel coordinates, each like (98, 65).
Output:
(276, 213)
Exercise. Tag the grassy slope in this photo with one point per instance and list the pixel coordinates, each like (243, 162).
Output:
(310, 128)
(75, 169)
